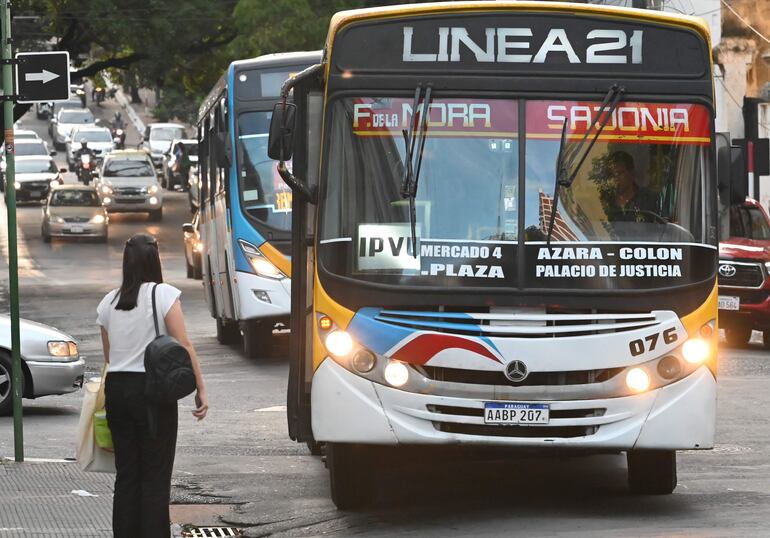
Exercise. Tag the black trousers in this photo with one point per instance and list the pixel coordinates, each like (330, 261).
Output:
(143, 461)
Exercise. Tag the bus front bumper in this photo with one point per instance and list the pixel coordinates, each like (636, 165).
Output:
(350, 409)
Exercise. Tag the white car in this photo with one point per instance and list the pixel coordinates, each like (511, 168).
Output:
(66, 120)
(25, 147)
(50, 361)
(158, 137)
(25, 134)
(128, 182)
(35, 175)
(99, 141)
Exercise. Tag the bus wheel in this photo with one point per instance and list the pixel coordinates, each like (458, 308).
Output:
(314, 447)
(651, 472)
(738, 336)
(350, 480)
(258, 339)
(227, 331)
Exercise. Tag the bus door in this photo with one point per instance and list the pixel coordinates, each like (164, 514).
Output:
(305, 163)
(224, 236)
(206, 226)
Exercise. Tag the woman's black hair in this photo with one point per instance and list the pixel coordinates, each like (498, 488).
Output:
(141, 263)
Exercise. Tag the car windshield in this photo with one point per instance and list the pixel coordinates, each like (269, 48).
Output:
(72, 103)
(35, 148)
(75, 198)
(639, 183)
(76, 116)
(127, 168)
(264, 194)
(35, 166)
(25, 136)
(749, 222)
(93, 136)
(166, 134)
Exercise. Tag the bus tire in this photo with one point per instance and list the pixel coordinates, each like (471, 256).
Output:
(314, 447)
(258, 339)
(350, 480)
(738, 336)
(651, 472)
(227, 331)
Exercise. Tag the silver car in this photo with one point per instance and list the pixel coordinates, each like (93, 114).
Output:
(158, 137)
(35, 175)
(66, 120)
(74, 211)
(50, 360)
(99, 140)
(128, 182)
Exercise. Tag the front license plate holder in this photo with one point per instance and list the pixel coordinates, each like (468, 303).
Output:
(76, 229)
(729, 302)
(516, 413)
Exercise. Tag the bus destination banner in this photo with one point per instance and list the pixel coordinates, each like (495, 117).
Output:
(537, 44)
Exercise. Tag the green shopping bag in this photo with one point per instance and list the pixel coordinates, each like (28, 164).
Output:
(102, 432)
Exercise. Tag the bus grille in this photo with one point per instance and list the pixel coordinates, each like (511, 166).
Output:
(746, 276)
(488, 377)
(518, 325)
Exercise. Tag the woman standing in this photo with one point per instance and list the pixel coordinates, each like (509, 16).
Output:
(144, 459)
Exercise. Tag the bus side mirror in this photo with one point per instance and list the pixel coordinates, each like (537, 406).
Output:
(280, 145)
(739, 180)
(724, 163)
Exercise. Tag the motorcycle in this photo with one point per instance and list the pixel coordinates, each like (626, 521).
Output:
(98, 95)
(119, 137)
(86, 168)
(80, 92)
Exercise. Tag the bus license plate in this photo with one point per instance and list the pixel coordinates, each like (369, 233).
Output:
(515, 413)
(729, 302)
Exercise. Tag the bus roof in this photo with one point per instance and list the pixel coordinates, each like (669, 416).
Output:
(343, 18)
(266, 61)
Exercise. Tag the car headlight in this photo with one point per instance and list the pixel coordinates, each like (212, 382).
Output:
(105, 189)
(152, 189)
(259, 263)
(60, 348)
(16, 185)
(57, 220)
(98, 219)
(3, 165)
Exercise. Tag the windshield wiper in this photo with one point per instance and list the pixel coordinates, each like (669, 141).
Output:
(414, 159)
(565, 172)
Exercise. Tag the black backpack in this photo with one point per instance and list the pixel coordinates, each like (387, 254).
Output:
(169, 373)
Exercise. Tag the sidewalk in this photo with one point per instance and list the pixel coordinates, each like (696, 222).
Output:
(37, 499)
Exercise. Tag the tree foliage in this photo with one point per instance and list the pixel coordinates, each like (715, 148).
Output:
(177, 47)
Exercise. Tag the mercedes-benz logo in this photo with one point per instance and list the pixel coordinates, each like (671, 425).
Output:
(516, 371)
(727, 270)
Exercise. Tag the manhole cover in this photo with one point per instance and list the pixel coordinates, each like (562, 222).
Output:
(190, 531)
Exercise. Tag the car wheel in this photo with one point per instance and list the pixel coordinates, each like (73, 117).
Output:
(6, 385)
(351, 483)
(156, 215)
(738, 336)
(651, 472)
(227, 331)
(46, 237)
(189, 268)
(258, 339)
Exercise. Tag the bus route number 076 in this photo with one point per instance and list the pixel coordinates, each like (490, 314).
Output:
(648, 343)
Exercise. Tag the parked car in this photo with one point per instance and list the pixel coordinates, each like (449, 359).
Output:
(99, 141)
(158, 137)
(71, 103)
(35, 175)
(193, 248)
(74, 211)
(175, 172)
(25, 134)
(66, 120)
(25, 148)
(128, 182)
(744, 274)
(50, 361)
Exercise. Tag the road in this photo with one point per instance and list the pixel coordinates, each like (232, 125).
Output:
(241, 465)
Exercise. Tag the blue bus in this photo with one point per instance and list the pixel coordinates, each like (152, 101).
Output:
(245, 207)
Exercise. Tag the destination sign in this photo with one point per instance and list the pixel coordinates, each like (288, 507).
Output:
(545, 43)
(629, 123)
(496, 118)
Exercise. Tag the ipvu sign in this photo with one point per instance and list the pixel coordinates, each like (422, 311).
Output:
(42, 76)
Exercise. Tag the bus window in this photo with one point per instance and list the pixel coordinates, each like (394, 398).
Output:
(263, 193)
(203, 160)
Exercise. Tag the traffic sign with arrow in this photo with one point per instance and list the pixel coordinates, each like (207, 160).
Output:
(42, 76)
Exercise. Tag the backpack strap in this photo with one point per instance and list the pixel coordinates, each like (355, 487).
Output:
(155, 312)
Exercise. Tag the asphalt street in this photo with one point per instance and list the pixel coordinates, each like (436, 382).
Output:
(241, 465)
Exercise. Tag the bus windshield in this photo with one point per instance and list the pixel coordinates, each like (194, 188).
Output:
(264, 194)
(642, 181)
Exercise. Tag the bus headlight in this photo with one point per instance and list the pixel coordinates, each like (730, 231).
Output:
(638, 380)
(259, 263)
(396, 373)
(339, 343)
(696, 350)
(364, 361)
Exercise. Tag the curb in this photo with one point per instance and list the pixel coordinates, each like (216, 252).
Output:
(124, 103)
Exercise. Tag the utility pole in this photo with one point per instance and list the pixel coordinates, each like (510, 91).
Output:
(10, 202)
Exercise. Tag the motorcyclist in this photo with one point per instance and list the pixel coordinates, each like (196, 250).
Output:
(119, 130)
(84, 150)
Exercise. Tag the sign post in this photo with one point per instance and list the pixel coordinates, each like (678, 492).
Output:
(13, 264)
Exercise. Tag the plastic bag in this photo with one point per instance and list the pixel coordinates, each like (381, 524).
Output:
(90, 456)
